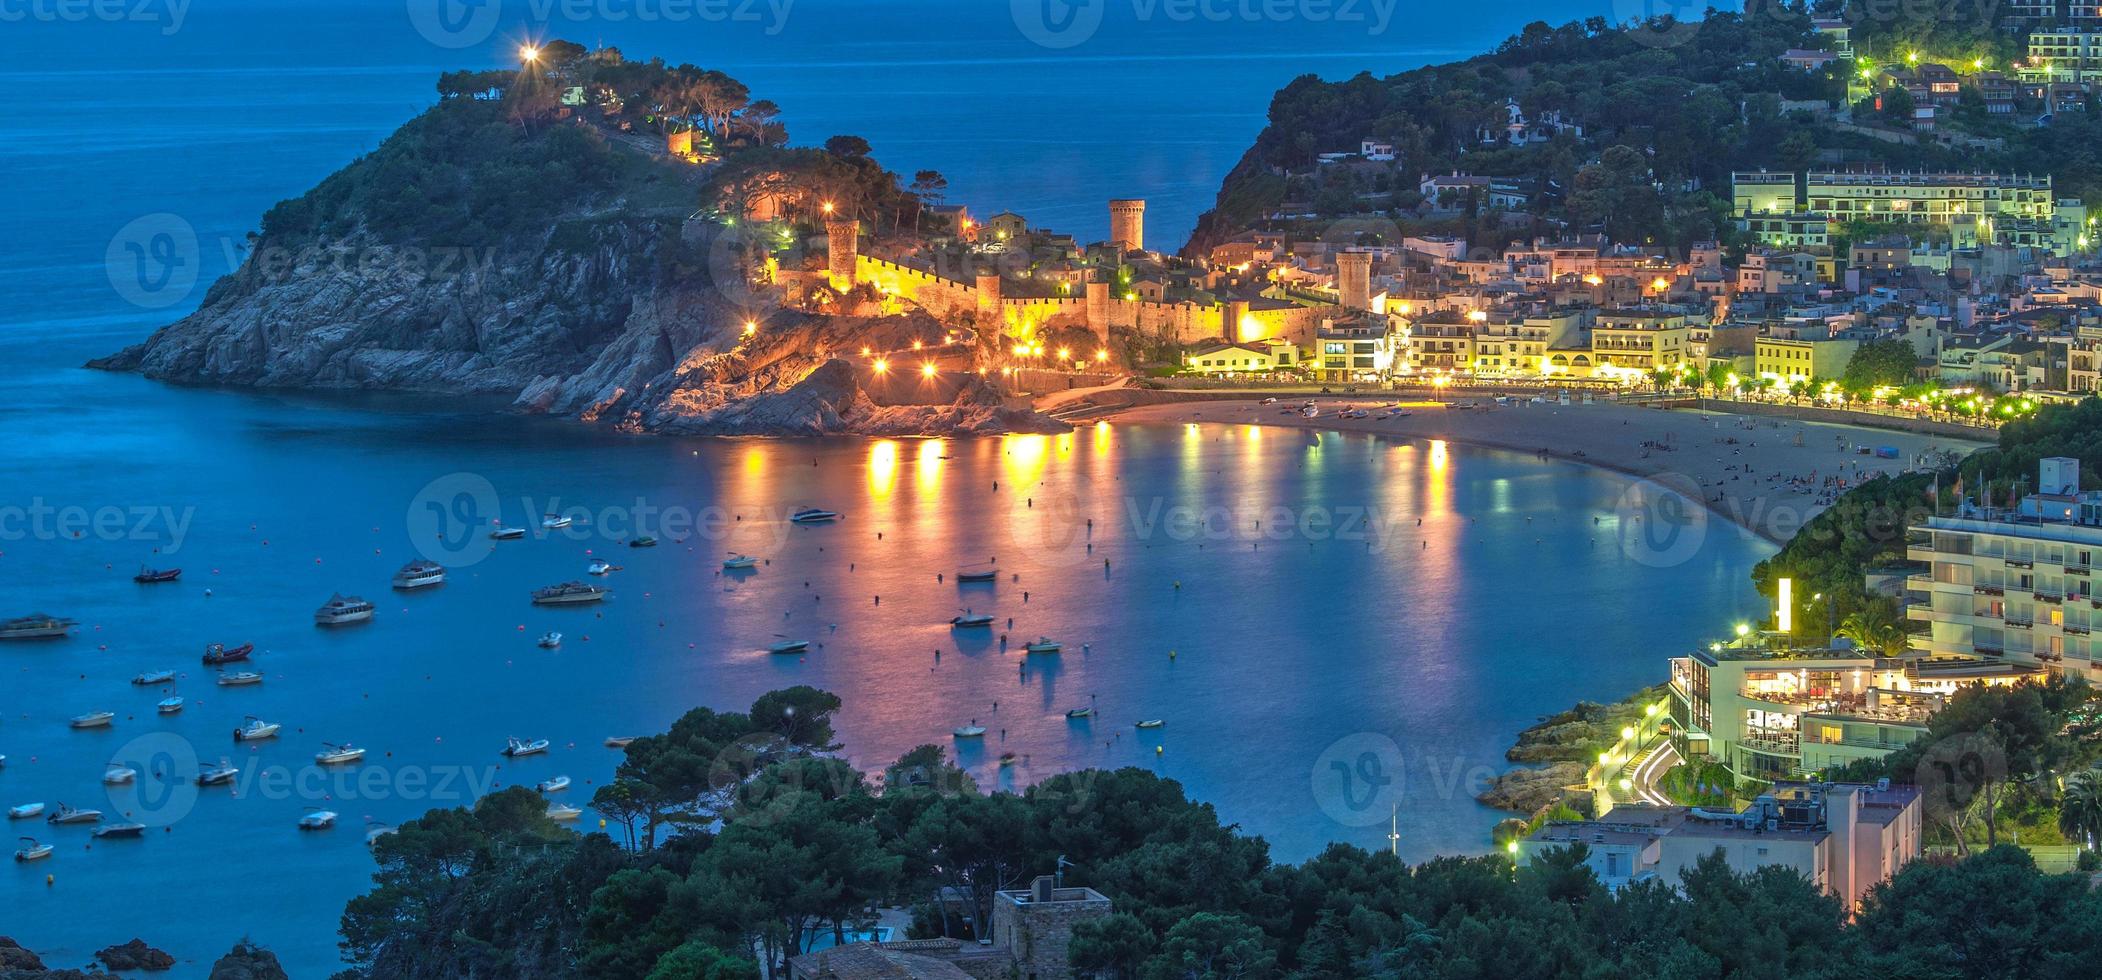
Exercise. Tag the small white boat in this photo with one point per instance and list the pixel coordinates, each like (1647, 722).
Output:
(93, 719)
(36, 626)
(812, 515)
(317, 819)
(554, 521)
(789, 646)
(969, 576)
(1044, 644)
(555, 785)
(121, 830)
(419, 575)
(563, 811)
(343, 609)
(32, 851)
(969, 731)
(25, 811)
(1007, 759)
(169, 706)
(971, 621)
(220, 775)
(256, 729)
(620, 741)
(739, 563)
(240, 678)
(68, 815)
(598, 566)
(508, 533)
(1079, 713)
(1151, 723)
(336, 755)
(550, 640)
(153, 677)
(568, 593)
(516, 747)
(119, 775)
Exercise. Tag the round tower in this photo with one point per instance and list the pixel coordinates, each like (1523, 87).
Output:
(989, 296)
(1354, 280)
(1098, 308)
(1127, 223)
(843, 247)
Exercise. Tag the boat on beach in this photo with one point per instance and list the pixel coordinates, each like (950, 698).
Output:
(813, 515)
(568, 593)
(150, 576)
(219, 653)
(256, 730)
(518, 747)
(153, 677)
(36, 626)
(419, 575)
(337, 755)
(342, 609)
(93, 719)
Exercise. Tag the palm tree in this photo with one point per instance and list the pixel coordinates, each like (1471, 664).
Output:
(2080, 809)
(1874, 627)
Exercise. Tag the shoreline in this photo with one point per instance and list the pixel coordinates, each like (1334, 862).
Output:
(1660, 447)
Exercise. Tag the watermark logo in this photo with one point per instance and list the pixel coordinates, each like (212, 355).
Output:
(1357, 780)
(41, 520)
(455, 23)
(1661, 520)
(1058, 24)
(169, 14)
(152, 261)
(1955, 772)
(163, 788)
(451, 518)
(1659, 23)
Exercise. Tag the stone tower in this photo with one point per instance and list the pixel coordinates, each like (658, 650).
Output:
(1098, 307)
(988, 297)
(1127, 223)
(1036, 925)
(1354, 279)
(843, 247)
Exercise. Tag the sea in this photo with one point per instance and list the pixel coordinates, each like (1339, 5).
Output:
(1340, 634)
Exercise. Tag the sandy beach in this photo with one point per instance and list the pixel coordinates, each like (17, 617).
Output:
(1763, 474)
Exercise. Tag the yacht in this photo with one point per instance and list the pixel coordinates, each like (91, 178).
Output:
(67, 814)
(25, 811)
(150, 576)
(32, 851)
(516, 747)
(240, 678)
(336, 755)
(740, 563)
(508, 533)
(643, 542)
(568, 593)
(317, 819)
(169, 706)
(554, 521)
(969, 731)
(812, 515)
(419, 574)
(620, 741)
(219, 653)
(549, 641)
(220, 775)
(93, 719)
(341, 609)
(972, 620)
(256, 730)
(119, 776)
(121, 830)
(35, 626)
(555, 785)
(153, 677)
(563, 811)
(1044, 644)
(789, 646)
(598, 566)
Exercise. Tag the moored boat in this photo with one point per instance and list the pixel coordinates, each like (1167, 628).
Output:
(568, 593)
(121, 830)
(563, 812)
(598, 566)
(555, 785)
(149, 576)
(1007, 759)
(1043, 644)
(1150, 723)
(516, 747)
(93, 719)
(240, 678)
(553, 521)
(978, 575)
(1079, 713)
(219, 775)
(620, 741)
(336, 755)
(643, 542)
(789, 646)
(119, 775)
(31, 850)
(972, 620)
(972, 730)
(740, 563)
(24, 811)
(169, 706)
(813, 515)
(508, 533)
(341, 609)
(35, 626)
(219, 653)
(317, 819)
(256, 730)
(153, 677)
(419, 574)
(67, 815)
(550, 640)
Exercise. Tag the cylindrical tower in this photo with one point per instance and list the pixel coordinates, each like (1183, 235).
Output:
(989, 297)
(1127, 223)
(842, 248)
(1098, 308)
(1231, 313)
(1354, 279)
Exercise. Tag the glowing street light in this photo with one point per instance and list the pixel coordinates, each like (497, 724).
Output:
(881, 366)
(1065, 353)
(827, 206)
(528, 53)
(751, 327)
(927, 369)
(1101, 355)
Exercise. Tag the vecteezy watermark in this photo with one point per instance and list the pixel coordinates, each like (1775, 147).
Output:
(451, 518)
(155, 261)
(152, 261)
(465, 23)
(457, 520)
(1955, 772)
(41, 520)
(1156, 519)
(455, 23)
(1358, 780)
(164, 785)
(1661, 520)
(168, 14)
(1061, 24)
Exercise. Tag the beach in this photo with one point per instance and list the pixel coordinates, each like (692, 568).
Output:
(1766, 475)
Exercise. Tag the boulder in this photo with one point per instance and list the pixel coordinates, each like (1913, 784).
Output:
(14, 957)
(135, 955)
(247, 961)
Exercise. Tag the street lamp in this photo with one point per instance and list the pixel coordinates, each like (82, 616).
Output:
(528, 53)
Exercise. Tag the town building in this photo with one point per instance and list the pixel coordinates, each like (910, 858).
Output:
(1788, 361)
(1635, 342)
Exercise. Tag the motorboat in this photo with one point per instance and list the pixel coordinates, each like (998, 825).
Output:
(67, 815)
(119, 776)
(812, 515)
(25, 811)
(220, 775)
(121, 830)
(972, 621)
(620, 741)
(1150, 723)
(1007, 759)
(563, 812)
(35, 626)
(341, 609)
(568, 593)
(553, 522)
(598, 566)
(555, 785)
(256, 730)
(240, 678)
(337, 755)
(1044, 644)
(643, 542)
(169, 706)
(153, 677)
(549, 641)
(978, 575)
(789, 646)
(150, 576)
(507, 533)
(740, 563)
(93, 719)
(419, 574)
(1079, 713)
(219, 653)
(969, 731)
(317, 819)
(517, 747)
(32, 851)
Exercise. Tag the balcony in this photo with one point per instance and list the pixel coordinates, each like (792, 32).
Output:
(1988, 590)
(2050, 597)
(1774, 743)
